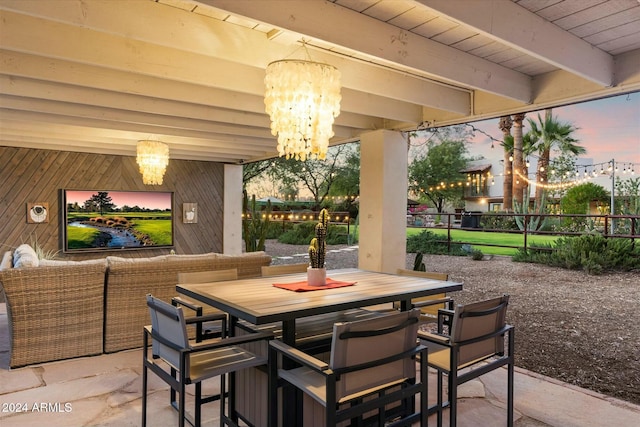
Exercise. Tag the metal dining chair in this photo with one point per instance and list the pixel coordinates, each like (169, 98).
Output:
(372, 365)
(474, 346)
(209, 329)
(431, 304)
(190, 362)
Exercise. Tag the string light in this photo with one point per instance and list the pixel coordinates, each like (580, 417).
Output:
(558, 186)
(589, 172)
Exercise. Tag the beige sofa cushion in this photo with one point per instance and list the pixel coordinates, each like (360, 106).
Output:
(116, 260)
(25, 256)
(193, 257)
(55, 262)
(7, 261)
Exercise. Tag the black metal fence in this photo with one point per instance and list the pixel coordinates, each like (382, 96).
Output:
(610, 226)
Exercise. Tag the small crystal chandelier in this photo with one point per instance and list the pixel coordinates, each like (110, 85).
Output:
(153, 158)
(302, 99)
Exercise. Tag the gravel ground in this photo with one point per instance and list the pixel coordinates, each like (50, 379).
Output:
(580, 329)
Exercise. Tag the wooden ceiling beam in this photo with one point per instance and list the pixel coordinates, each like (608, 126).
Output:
(510, 24)
(383, 42)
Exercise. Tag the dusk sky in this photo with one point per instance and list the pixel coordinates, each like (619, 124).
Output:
(143, 199)
(608, 128)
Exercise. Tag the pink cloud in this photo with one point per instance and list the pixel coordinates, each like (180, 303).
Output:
(607, 128)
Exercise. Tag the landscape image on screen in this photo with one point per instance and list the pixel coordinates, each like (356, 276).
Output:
(117, 219)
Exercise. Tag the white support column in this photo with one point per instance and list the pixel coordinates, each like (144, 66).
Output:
(383, 201)
(232, 206)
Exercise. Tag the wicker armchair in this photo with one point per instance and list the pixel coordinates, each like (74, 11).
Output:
(54, 312)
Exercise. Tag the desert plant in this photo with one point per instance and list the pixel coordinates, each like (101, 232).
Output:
(318, 247)
(418, 262)
(254, 227)
(41, 252)
(535, 222)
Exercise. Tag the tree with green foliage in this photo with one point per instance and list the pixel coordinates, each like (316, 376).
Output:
(550, 133)
(101, 201)
(628, 196)
(578, 198)
(561, 171)
(317, 176)
(627, 202)
(346, 183)
(253, 170)
(433, 173)
(347, 179)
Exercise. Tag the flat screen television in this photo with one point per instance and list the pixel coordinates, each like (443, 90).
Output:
(113, 220)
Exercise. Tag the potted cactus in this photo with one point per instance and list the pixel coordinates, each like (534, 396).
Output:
(316, 272)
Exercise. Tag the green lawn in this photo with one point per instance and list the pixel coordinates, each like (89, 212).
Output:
(159, 230)
(478, 238)
(81, 237)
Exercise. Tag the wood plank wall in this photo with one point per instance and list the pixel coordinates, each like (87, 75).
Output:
(35, 176)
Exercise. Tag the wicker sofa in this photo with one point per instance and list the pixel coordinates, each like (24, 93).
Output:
(68, 309)
(130, 280)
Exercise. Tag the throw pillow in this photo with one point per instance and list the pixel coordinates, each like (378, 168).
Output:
(25, 256)
(7, 261)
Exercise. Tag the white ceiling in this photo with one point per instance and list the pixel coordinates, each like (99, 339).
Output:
(98, 75)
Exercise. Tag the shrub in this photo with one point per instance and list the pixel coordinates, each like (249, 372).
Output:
(477, 255)
(302, 233)
(590, 252)
(277, 228)
(538, 254)
(427, 243)
(498, 222)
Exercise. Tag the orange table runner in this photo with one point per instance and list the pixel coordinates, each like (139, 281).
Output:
(303, 286)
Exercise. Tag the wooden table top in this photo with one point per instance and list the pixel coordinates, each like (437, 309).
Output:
(259, 302)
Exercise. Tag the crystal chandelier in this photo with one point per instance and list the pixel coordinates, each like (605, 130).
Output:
(302, 98)
(153, 158)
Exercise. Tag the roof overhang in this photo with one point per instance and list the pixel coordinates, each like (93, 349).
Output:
(92, 77)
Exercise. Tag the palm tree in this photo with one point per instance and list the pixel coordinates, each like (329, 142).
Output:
(505, 125)
(551, 133)
(528, 148)
(518, 159)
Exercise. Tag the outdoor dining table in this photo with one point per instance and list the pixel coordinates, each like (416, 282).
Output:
(259, 302)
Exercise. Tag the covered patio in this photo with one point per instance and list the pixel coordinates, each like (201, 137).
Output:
(191, 74)
(88, 77)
